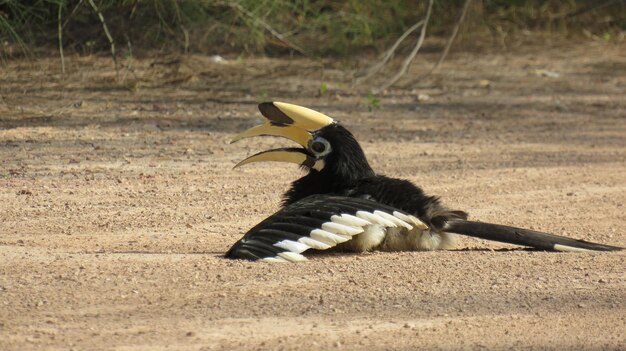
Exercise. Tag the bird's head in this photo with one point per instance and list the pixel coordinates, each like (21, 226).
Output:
(326, 149)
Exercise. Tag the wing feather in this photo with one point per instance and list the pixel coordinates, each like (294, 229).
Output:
(318, 222)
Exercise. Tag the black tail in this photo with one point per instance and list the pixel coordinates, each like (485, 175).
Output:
(525, 237)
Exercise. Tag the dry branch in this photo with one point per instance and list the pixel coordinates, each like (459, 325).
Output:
(409, 59)
(60, 35)
(388, 55)
(267, 27)
(186, 36)
(67, 19)
(107, 33)
(594, 6)
(455, 31)
(129, 65)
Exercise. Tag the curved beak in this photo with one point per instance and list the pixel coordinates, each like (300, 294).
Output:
(290, 121)
(298, 135)
(292, 155)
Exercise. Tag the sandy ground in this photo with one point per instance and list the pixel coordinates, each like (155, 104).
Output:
(117, 202)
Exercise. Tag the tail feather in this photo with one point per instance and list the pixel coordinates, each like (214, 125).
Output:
(525, 237)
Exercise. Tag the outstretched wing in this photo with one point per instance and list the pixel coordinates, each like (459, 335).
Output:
(317, 222)
(320, 222)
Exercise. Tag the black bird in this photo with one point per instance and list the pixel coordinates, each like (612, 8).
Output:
(342, 203)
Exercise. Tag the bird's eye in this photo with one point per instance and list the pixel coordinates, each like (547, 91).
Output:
(320, 147)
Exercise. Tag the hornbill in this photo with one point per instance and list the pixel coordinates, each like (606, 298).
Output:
(342, 203)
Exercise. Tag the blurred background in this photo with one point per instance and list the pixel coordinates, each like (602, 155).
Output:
(313, 28)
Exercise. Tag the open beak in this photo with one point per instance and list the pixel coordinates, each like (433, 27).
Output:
(289, 121)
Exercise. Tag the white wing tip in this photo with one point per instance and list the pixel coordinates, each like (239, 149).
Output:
(292, 256)
(314, 244)
(375, 219)
(354, 220)
(292, 246)
(341, 229)
(411, 219)
(394, 219)
(327, 237)
(276, 259)
(565, 248)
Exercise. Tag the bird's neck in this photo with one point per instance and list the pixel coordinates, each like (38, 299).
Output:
(335, 178)
(343, 168)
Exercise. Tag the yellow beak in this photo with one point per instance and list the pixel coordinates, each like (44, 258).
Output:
(296, 134)
(289, 121)
(285, 155)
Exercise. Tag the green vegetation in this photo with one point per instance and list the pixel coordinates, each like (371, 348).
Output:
(323, 88)
(275, 27)
(372, 102)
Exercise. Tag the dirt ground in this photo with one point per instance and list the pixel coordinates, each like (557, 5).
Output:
(118, 200)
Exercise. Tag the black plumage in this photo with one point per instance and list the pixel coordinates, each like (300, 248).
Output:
(378, 212)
